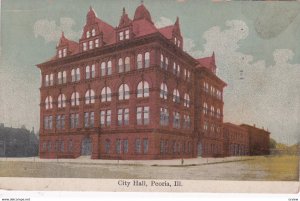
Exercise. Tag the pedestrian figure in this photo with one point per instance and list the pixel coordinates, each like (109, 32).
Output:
(182, 161)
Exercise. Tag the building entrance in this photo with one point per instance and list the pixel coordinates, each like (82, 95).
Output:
(86, 146)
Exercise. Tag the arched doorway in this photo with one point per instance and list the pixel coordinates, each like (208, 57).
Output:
(86, 146)
(199, 148)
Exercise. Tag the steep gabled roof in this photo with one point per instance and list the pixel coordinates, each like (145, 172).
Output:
(208, 62)
(143, 27)
(167, 31)
(125, 20)
(73, 46)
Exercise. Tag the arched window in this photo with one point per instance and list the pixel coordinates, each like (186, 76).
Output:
(120, 65)
(90, 96)
(147, 59)
(109, 68)
(143, 89)
(176, 97)
(75, 99)
(103, 69)
(93, 32)
(186, 100)
(124, 92)
(205, 108)
(61, 101)
(48, 102)
(139, 61)
(127, 64)
(105, 94)
(163, 91)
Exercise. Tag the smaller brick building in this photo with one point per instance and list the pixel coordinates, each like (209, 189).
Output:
(236, 140)
(259, 140)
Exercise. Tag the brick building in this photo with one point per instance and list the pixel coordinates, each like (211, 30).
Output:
(259, 140)
(236, 140)
(129, 92)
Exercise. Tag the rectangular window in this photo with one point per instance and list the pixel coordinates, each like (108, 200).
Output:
(59, 54)
(91, 45)
(126, 116)
(86, 119)
(51, 79)
(138, 146)
(84, 47)
(121, 36)
(64, 52)
(102, 118)
(176, 120)
(58, 122)
(142, 115)
(87, 72)
(92, 119)
(127, 34)
(120, 117)
(125, 146)
(118, 146)
(139, 115)
(164, 117)
(64, 77)
(93, 71)
(97, 43)
(145, 145)
(109, 68)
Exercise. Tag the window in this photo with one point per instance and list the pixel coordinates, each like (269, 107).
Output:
(75, 74)
(218, 113)
(118, 146)
(103, 69)
(46, 81)
(105, 118)
(163, 91)
(109, 68)
(89, 119)
(125, 146)
(120, 66)
(84, 46)
(97, 43)
(176, 97)
(60, 121)
(176, 69)
(143, 89)
(89, 97)
(205, 108)
(48, 122)
(146, 145)
(212, 110)
(123, 116)
(176, 120)
(142, 115)
(162, 146)
(164, 117)
(88, 34)
(186, 121)
(75, 99)
(61, 101)
(59, 54)
(64, 52)
(178, 43)
(48, 102)
(107, 146)
(74, 120)
(127, 64)
(70, 147)
(59, 77)
(162, 61)
(106, 94)
(90, 72)
(139, 61)
(91, 44)
(51, 79)
(121, 36)
(186, 100)
(147, 59)
(127, 34)
(93, 32)
(124, 92)
(138, 145)
(166, 63)
(205, 85)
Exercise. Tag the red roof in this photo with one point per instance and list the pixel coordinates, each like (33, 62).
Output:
(208, 62)
(73, 46)
(167, 31)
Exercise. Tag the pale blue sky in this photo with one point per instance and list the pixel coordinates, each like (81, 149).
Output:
(259, 38)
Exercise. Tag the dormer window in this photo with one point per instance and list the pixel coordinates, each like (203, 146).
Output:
(175, 40)
(178, 43)
(127, 34)
(59, 54)
(121, 36)
(93, 32)
(88, 34)
(64, 52)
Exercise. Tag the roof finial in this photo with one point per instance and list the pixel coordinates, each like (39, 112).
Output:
(142, 1)
(91, 8)
(62, 34)
(123, 10)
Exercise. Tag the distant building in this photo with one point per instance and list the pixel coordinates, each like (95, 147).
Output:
(236, 140)
(17, 142)
(259, 140)
(129, 92)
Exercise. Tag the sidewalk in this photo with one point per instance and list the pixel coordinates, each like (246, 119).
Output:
(172, 162)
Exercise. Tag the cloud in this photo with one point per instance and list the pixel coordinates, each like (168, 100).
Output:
(267, 95)
(163, 21)
(51, 31)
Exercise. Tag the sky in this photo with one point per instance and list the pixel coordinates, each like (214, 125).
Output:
(257, 48)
